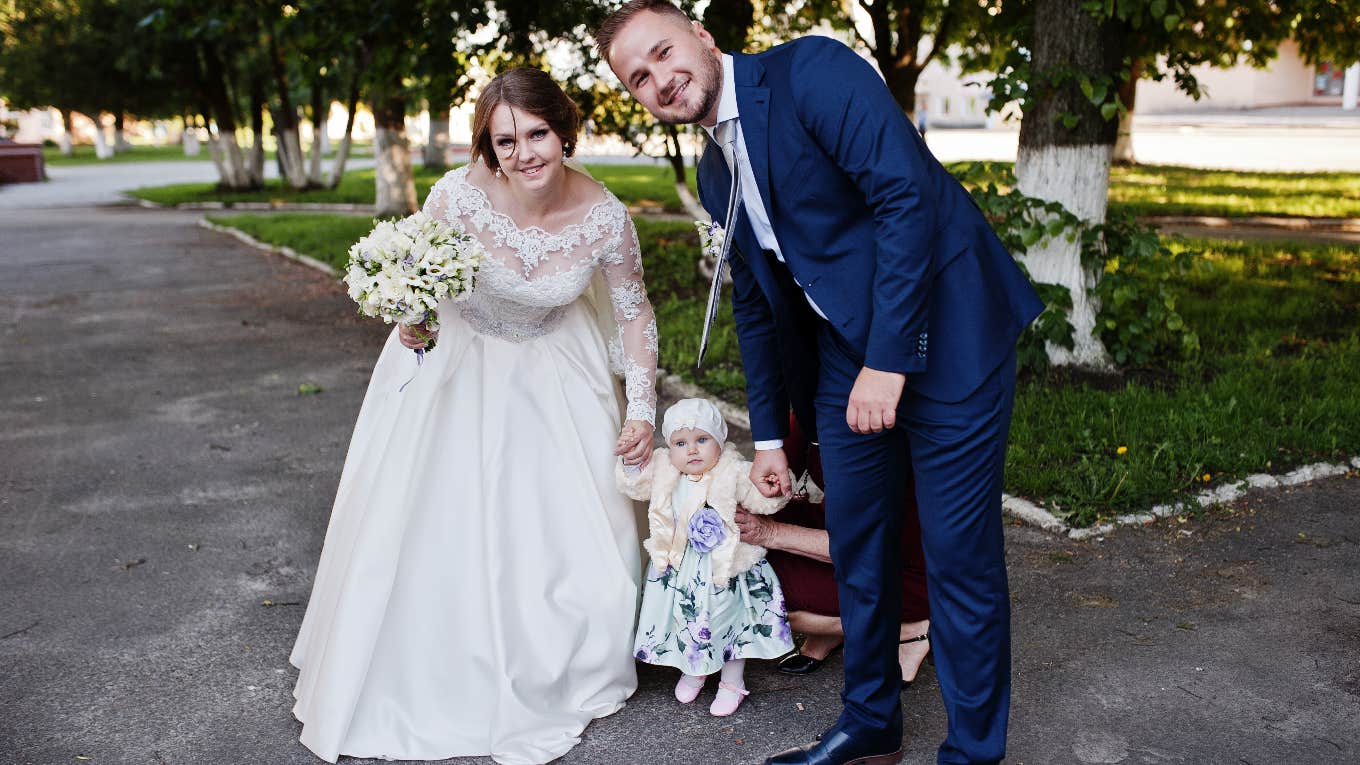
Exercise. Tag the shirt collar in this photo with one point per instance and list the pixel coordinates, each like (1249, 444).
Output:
(727, 102)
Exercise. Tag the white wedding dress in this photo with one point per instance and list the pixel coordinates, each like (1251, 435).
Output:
(477, 588)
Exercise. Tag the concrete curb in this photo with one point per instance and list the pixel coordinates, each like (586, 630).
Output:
(1228, 492)
(286, 252)
(1350, 225)
(650, 212)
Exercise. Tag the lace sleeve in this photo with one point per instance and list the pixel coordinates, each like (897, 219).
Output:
(437, 201)
(637, 323)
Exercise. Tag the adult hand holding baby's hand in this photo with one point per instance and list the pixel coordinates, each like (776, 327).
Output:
(635, 443)
(770, 473)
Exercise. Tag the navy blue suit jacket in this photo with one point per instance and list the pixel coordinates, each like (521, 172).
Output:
(889, 245)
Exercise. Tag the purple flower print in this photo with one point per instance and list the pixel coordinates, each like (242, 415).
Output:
(706, 530)
(694, 656)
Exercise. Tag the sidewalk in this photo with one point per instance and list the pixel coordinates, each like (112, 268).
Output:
(164, 490)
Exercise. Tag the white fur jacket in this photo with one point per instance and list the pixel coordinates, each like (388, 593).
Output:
(724, 487)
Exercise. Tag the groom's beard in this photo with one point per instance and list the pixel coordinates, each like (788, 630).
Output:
(708, 80)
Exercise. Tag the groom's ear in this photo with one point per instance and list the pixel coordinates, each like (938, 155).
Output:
(703, 35)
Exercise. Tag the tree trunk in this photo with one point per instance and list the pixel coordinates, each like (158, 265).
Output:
(437, 148)
(901, 83)
(1128, 95)
(231, 165)
(258, 99)
(292, 163)
(318, 147)
(676, 157)
(342, 153)
(120, 142)
(102, 149)
(65, 142)
(395, 193)
(1069, 165)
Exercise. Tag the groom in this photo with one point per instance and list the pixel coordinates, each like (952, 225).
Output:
(873, 299)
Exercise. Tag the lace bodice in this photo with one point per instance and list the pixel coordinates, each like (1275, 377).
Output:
(530, 276)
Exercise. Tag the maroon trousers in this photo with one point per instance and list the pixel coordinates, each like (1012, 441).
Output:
(810, 585)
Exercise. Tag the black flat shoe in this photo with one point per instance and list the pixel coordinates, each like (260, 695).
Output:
(801, 664)
(907, 683)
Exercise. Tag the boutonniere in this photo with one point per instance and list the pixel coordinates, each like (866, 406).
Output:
(711, 236)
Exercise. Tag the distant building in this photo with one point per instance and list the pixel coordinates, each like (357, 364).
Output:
(1286, 81)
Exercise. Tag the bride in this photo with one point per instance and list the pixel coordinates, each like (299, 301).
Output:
(478, 583)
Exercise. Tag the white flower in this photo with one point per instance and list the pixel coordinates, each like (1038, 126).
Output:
(402, 269)
(711, 237)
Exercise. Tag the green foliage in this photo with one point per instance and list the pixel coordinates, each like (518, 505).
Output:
(1324, 29)
(1154, 39)
(1138, 321)
(1137, 318)
(1272, 389)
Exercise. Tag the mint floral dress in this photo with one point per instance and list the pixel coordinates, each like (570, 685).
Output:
(695, 624)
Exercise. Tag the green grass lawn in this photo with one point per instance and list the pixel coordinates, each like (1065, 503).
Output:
(1154, 190)
(644, 185)
(1163, 190)
(84, 154)
(1274, 387)
(1146, 190)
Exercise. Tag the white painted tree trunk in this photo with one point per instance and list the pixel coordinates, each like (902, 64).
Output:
(255, 164)
(437, 147)
(692, 207)
(318, 150)
(338, 166)
(1077, 177)
(1350, 87)
(120, 142)
(65, 143)
(102, 149)
(292, 159)
(230, 161)
(1123, 143)
(396, 188)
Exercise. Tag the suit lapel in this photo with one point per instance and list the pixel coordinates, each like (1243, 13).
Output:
(753, 108)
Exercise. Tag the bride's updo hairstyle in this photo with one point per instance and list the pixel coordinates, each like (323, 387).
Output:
(532, 91)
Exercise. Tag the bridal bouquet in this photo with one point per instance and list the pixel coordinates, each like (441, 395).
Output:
(402, 269)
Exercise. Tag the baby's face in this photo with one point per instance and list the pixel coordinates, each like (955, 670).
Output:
(693, 451)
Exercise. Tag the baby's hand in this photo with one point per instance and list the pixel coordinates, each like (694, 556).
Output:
(635, 443)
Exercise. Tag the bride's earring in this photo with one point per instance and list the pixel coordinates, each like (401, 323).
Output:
(498, 172)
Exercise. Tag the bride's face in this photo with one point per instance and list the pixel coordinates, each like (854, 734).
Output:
(529, 152)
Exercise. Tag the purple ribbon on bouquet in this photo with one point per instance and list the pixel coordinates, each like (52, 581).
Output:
(420, 356)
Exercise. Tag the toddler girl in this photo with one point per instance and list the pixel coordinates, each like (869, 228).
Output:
(711, 601)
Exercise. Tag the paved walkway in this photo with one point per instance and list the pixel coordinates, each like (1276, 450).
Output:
(162, 483)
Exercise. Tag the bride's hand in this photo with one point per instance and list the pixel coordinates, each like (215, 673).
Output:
(635, 443)
(416, 336)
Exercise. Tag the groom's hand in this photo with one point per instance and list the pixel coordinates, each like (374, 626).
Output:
(770, 473)
(873, 400)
